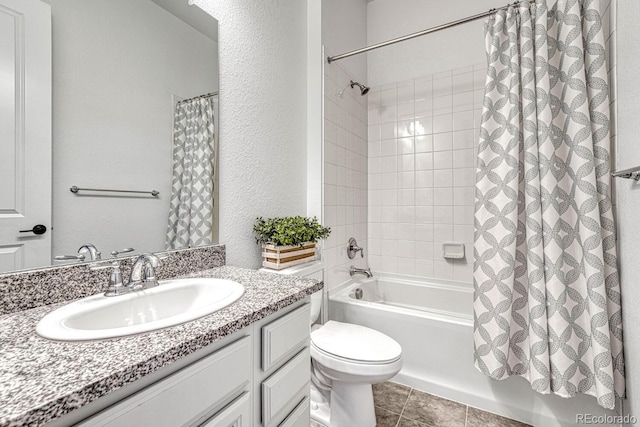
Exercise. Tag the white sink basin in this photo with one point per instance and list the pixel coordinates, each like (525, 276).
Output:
(170, 303)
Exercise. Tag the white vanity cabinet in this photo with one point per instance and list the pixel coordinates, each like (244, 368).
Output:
(259, 376)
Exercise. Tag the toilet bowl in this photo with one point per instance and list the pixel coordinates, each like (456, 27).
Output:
(346, 360)
(353, 357)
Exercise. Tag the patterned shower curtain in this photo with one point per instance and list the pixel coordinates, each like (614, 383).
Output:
(547, 295)
(191, 209)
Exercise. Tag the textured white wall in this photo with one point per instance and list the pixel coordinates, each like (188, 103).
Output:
(116, 65)
(263, 116)
(628, 192)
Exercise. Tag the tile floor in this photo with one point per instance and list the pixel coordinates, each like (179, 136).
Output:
(401, 406)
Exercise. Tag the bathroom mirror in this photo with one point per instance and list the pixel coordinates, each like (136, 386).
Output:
(119, 70)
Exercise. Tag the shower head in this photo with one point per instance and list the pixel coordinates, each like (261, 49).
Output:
(363, 89)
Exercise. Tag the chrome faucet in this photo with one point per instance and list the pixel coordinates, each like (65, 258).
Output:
(143, 274)
(83, 251)
(364, 271)
(89, 248)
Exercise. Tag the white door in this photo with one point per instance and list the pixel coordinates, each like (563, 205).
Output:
(25, 133)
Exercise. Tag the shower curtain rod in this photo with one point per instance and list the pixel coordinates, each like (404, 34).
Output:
(419, 33)
(197, 97)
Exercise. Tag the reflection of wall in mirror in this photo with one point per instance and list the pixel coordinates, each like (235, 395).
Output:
(116, 64)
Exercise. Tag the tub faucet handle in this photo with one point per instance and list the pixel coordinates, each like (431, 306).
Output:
(354, 248)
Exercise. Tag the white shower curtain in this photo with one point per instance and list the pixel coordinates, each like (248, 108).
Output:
(191, 209)
(547, 295)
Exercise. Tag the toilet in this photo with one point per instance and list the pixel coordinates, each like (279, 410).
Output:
(346, 359)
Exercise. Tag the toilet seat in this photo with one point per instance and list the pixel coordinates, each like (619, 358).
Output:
(354, 343)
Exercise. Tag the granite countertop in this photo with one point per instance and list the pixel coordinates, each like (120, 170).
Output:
(41, 380)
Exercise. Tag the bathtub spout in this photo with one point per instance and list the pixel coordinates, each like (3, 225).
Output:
(364, 271)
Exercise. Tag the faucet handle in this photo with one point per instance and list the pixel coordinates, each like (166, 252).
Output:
(69, 258)
(116, 286)
(354, 248)
(114, 254)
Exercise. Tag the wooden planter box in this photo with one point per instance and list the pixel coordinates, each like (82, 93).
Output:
(279, 257)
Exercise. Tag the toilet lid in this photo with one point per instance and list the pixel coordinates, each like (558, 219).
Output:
(355, 342)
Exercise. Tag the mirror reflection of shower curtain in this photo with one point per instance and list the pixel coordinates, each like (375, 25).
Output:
(192, 186)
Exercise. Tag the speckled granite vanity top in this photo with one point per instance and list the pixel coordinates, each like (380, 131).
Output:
(41, 380)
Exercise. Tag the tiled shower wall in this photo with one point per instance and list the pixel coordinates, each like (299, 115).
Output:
(345, 173)
(422, 137)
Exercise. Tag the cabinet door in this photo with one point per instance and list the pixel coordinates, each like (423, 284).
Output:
(283, 338)
(282, 391)
(187, 396)
(237, 414)
(299, 417)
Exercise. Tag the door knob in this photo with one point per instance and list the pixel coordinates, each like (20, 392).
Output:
(37, 229)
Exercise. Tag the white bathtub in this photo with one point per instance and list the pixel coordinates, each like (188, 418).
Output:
(433, 322)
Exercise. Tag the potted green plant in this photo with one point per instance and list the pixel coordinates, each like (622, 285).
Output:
(288, 241)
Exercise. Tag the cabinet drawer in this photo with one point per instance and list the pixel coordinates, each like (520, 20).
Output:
(282, 391)
(300, 416)
(237, 414)
(283, 338)
(186, 396)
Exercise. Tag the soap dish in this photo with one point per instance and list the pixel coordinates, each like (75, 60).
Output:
(453, 250)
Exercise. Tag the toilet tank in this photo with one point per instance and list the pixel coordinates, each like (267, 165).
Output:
(311, 270)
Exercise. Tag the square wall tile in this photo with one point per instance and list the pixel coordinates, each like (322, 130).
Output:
(423, 107)
(443, 160)
(425, 196)
(388, 114)
(464, 139)
(389, 97)
(463, 102)
(443, 196)
(442, 104)
(424, 89)
(405, 94)
(442, 215)
(442, 232)
(423, 161)
(424, 250)
(443, 86)
(423, 143)
(443, 141)
(423, 126)
(463, 120)
(464, 158)
(406, 111)
(462, 82)
(406, 231)
(388, 130)
(443, 178)
(424, 232)
(405, 145)
(464, 196)
(442, 123)
(424, 178)
(405, 180)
